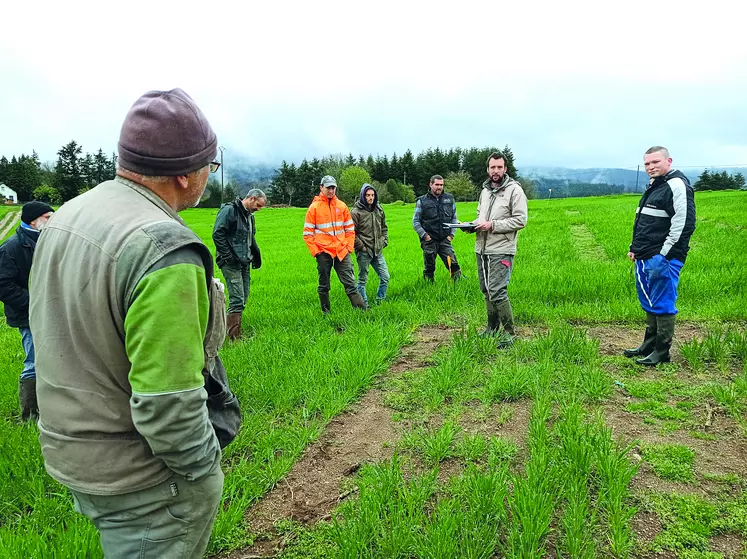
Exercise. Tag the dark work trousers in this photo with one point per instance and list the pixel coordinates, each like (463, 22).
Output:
(343, 268)
(434, 248)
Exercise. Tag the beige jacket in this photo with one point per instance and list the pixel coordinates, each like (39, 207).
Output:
(506, 207)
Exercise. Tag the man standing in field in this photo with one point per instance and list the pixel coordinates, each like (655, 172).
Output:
(371, 237)
(125, 311)
(329, 232)
(235, 250)
(432, 211)
(16, 255)
(501, 213)
(664, 223)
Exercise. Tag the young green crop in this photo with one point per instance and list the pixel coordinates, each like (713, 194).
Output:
(297, 369)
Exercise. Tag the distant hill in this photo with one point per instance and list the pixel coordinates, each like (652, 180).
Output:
(622, 177)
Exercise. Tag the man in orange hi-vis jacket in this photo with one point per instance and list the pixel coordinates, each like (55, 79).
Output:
(329, 233)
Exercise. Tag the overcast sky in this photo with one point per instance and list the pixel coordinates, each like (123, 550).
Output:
(578, 83)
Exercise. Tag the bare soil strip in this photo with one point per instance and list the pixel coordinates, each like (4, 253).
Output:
(586, 244)
(7, 223)
(364, 434)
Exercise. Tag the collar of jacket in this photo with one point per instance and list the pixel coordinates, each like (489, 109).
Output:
(371, 208)
(239, 203)
(151, 196)
(320, 198)
(429, 193)
(504, 183)
(27, 237)
(663, 179)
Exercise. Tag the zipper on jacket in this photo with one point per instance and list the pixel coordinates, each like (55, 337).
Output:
(490, 209)
(332, 216)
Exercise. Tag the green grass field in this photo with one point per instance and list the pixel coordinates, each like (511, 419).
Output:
(555, 447)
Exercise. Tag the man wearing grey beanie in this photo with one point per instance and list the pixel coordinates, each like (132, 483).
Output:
(127, 317)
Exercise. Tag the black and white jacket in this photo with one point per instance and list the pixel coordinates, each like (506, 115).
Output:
(665, 218)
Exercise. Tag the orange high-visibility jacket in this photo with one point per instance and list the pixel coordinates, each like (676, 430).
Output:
(329, 227)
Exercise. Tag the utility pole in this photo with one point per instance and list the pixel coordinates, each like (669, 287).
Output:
(638, 172)
(222, 190)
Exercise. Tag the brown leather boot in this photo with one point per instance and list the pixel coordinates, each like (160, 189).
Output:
(233, 326)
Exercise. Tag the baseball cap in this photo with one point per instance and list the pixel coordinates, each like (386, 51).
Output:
(328, 180)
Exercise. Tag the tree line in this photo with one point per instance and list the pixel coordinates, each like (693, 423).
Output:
(72, 174)
(564, 188)
(395, 178)
(710, 180)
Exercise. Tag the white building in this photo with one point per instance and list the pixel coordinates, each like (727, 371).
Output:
(8, 193)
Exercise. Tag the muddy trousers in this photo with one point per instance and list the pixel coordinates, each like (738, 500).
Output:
(171, 520)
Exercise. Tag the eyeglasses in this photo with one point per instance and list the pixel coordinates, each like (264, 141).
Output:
(214, 166)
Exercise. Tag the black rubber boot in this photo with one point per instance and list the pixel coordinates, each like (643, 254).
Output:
(494, 321)
(457, 276)
(428, 278)
(357, 301)
(506, 318)
(324, 301)
(649, 339)
(664, 336)
(27, 398)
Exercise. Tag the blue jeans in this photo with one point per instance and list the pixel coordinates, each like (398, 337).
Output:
(365, 259)
(656, 282)
(29, 369)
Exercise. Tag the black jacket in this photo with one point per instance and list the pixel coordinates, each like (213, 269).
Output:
(15, 265)
(231, 232)
(434, 212)
(665, 218)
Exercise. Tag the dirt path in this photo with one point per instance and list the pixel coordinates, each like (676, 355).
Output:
(365, 434)
(7, 223)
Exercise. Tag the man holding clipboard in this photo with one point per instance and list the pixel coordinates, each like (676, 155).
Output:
(501, 212)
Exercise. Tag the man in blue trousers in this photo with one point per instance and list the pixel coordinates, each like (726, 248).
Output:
(664, 223)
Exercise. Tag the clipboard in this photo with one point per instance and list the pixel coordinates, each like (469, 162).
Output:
(459, 225)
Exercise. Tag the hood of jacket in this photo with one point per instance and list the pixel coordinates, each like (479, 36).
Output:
(362, 204)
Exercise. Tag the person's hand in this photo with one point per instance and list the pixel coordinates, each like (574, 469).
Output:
(363, 249)
(631, 256)
(450, 238)
(484, 225)
(427, 237)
